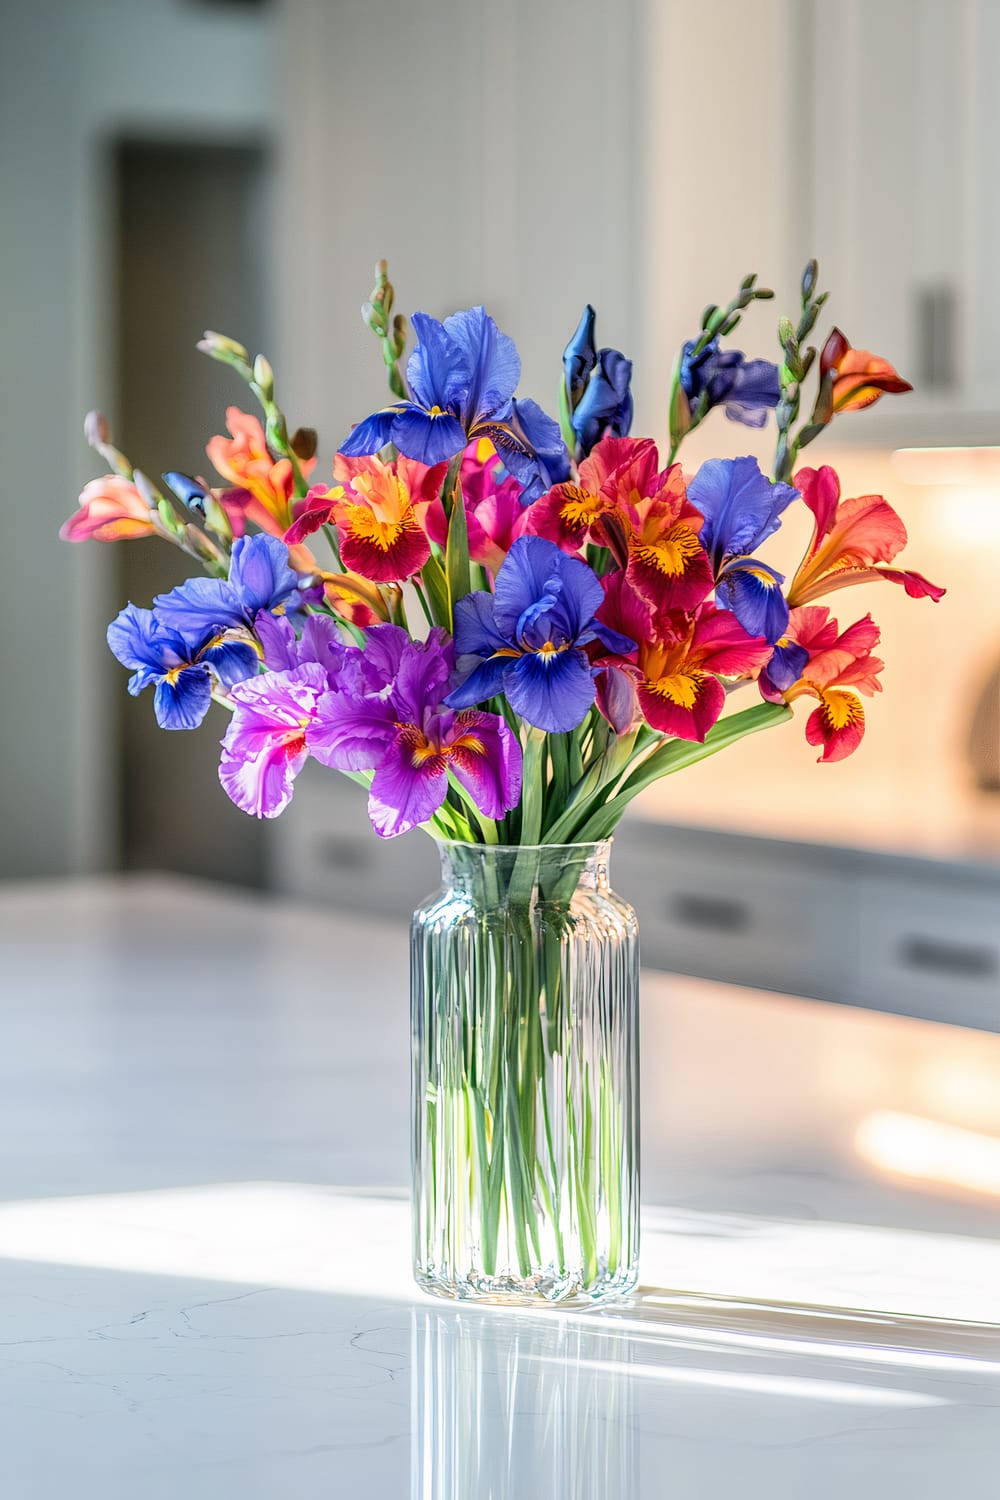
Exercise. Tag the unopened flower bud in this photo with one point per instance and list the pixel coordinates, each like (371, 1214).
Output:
(303, 442)
(264, 377)
(148, 491)
(399, 334)
(216, 518)
(96, 429)
(221, 347)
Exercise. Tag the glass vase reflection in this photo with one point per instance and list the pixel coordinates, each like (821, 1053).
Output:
(532, 1409)
(524, 987)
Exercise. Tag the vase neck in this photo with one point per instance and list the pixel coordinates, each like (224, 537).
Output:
(503, 874)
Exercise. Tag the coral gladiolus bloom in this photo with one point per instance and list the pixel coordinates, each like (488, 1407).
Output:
(859, 377)
(266, 485)
(111, 510)
(837, 663)
(852, 540)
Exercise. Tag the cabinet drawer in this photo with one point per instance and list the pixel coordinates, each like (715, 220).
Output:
(326, 851)
(930, 952)
(747, 916)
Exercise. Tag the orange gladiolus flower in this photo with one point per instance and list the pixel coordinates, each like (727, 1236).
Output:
(111, 510)
(266, 484)
(851, 543)
(859, 377)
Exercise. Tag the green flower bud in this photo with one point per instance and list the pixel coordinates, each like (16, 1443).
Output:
(221, 347)
(263, 377)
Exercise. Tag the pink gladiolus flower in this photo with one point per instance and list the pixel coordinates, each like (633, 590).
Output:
(494, 515)
(111, 510)
(852, 541)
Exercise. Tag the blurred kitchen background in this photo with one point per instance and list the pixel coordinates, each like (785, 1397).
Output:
(175, 165)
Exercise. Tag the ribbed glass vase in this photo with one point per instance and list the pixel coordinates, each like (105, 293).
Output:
(524, 989)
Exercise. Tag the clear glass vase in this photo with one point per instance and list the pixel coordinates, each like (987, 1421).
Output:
(524, 989)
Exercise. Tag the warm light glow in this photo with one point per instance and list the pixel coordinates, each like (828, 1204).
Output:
(931, 1151)
(948, 466)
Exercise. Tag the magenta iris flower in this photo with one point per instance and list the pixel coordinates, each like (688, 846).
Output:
(462, 376)
(410, 740)
(178, 667)
(527, 640)
(742, 508)
(260, 579)
(265, 746)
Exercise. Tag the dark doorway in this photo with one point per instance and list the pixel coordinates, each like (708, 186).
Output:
(193, 236)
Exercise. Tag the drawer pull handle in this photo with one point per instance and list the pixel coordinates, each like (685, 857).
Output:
(713, 912)
(950, 958)
(345, 854)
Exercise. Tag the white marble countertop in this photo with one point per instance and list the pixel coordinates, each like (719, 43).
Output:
(204, 1289)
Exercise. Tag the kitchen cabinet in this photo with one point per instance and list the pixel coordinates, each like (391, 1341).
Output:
(889, 932)
(901, 192)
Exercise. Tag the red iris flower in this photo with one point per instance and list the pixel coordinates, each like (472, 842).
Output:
(623, 501)
(381, 513)
(840, 666)
(680, 660)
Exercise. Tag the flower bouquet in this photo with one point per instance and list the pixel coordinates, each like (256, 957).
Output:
(506, 626)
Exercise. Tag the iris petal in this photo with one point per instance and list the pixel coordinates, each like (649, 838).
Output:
(753, 593)
(429, 440)
(486, 759)
(371, 434)
(183, 703)
(403, 795)
(483, 682)
(552, 693)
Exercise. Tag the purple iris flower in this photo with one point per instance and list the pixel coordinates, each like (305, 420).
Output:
(405, 734)
(742, 508)
(260, 579)
(598, 385)
(462, 376)
(747, 388)
(527, 639)
(178, 666)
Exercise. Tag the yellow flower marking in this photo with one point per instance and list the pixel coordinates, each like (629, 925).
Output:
(672, 552)
(681, 688)
(580, 508)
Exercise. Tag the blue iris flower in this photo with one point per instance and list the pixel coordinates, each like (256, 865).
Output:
(785, 667)
(742, 508)
(527, 639)
(747, 388)
(462, 376)
(598, 385)
(179, 668)
(259, 579)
